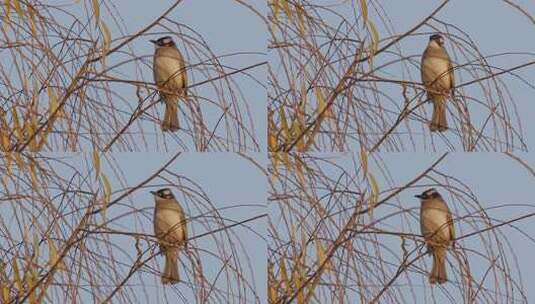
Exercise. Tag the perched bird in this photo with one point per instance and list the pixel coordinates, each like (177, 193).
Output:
(438, 231)
(438, 79)
(171, 79)
(170, 230)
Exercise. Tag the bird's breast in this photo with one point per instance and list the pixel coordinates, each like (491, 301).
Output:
(168, 71)
(433, 220)
(435, 72)
(169, 223)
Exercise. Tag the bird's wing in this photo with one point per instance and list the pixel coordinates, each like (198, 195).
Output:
(451, 227)
(184, 75)
(184, 225)
(452, 76)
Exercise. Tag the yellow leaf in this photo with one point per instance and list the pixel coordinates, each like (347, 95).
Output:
(30, 282)
(96, 162)
(322, 257)
(16, 275)
(8, 9)
(275, 160)
(375, 193)
(4, 128)
(31, 128)
(299, 171)
(272, 291)
(35, 247)
(375, 41)
(9, 161)
(96, 11)
(107, 194)
(322, 104)
(53, 257)
(272, 133)
(312, 136)
(286, 161)
(296, 131)
(276, 7)
(284, 125)
(286, 7)
(44, 138)
(31, 12)
(107, 40)
(298, 280)
(33, 176)
(16, 125)
(5, 293)
(301, 17)
(364, 161)
(4, 284)
(5, 142)
(284, 277)
(20, 162)
(52, 101)
(364, 10)
(18, 8)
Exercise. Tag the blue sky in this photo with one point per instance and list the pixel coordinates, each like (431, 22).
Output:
(233, 185)
(227, 28)
(215, 37)
(504, 189)
(238, 189)
(215, 191)
(496, 29)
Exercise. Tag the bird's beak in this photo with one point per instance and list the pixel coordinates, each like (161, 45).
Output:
(153, 41)
(153, 193)
(419, 196)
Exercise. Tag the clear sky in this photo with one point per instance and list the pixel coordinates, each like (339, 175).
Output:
(495, 28)
(233, 185)
(230, 181)
(494, 179)
(234, 34)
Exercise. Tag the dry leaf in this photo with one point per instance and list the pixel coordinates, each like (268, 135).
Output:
(96, 162)
(107, 194)
(96, 10)
(364, 10)
(375, 193)
(364, 161)
(53, 257)
(16, 275)
(18, 9)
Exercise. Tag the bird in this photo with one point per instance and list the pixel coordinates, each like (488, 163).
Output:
(438, 231)
(438, 79)
(171, 79)
(171, 231)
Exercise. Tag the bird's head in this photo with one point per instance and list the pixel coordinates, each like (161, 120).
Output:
(163, 41)
(437, 38)
(164, 193)
(428, 194)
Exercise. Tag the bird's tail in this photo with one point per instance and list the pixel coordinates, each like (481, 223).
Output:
(170, 119)
(170, 274)
(438, 273)
(439, 122)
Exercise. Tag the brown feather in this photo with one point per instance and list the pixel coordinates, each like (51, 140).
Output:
(438, 79)
(171, 79)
